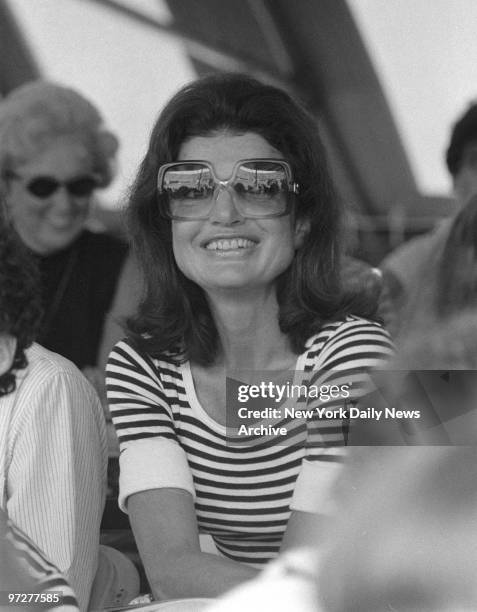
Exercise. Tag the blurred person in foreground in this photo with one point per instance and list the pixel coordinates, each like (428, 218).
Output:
(406, 539)
(410, 270)
(25, 570)
(235, 220)
(55, 153)
(403, 537)
(456, 282)
(451, 282)
(52, 433)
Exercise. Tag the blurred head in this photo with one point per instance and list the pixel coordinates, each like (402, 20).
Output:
(441, 382)
(223, 119)
(407, 541)
(54, 152)
(450, 346)
(405, 532)
(461, 155)
(457, 271)
(19, 306)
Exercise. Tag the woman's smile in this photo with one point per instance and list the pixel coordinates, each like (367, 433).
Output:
(230, 244)
(49, 224)
(228, 250)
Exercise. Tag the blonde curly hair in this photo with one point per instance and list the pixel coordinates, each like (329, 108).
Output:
(35, 115)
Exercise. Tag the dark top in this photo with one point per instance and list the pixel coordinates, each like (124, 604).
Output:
(78, 286)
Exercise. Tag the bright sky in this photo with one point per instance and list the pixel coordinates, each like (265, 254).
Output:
(425, 52)
(129, 71)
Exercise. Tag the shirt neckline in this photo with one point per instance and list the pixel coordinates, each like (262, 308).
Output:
(197, 407)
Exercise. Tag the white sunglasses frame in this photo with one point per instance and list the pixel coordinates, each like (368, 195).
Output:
(292, 186)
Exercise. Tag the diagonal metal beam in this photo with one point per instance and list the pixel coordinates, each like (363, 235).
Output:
(196, 47)
(337, 76)
(17, 64)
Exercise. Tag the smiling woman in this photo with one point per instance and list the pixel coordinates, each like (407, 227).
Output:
(54, 154)
(235, 222)
(249, 240)
(49, 210)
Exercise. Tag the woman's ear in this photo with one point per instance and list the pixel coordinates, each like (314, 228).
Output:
(8, 346)
(302, 229)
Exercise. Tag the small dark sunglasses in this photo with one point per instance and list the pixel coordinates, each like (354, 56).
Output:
(44, 186)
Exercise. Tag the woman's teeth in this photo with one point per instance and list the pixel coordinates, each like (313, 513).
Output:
(227, 244)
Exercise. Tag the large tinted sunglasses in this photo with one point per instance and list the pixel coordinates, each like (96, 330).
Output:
(259, 188)
(43, 187)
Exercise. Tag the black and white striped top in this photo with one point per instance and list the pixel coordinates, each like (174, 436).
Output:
(243, 492)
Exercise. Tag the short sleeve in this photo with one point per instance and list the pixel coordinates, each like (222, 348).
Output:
(340, 375)
(314, 487)
(338, 370)
(150, 454)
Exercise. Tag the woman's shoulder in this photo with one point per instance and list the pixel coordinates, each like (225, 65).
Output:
(102, 240)
(101, 259)
(125, 354)
(51, 383)
(350, 324)
(48, 368)
(102, 248)
(352, 335)
(46, 363)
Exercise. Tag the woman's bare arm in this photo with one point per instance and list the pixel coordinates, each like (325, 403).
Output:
(165, 527)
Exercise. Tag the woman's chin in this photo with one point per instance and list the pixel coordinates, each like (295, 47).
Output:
(54, 240)
(239, 287)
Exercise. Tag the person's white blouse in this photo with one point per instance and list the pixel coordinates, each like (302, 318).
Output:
(53, 460)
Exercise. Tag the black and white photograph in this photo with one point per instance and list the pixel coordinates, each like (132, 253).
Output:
(238, 305)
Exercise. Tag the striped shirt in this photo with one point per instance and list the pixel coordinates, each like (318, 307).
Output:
(53, 459)
(243, 492)
(25, 569)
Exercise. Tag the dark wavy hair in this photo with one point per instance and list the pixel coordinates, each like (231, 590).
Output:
(20, 309)
(457, 273)
(174, 318)
(464, 132)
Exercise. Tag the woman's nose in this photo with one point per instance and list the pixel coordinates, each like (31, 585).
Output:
(64, 202)
(225, 211)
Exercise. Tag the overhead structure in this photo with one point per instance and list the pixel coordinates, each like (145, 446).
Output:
(17, 64)
(313, 49)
